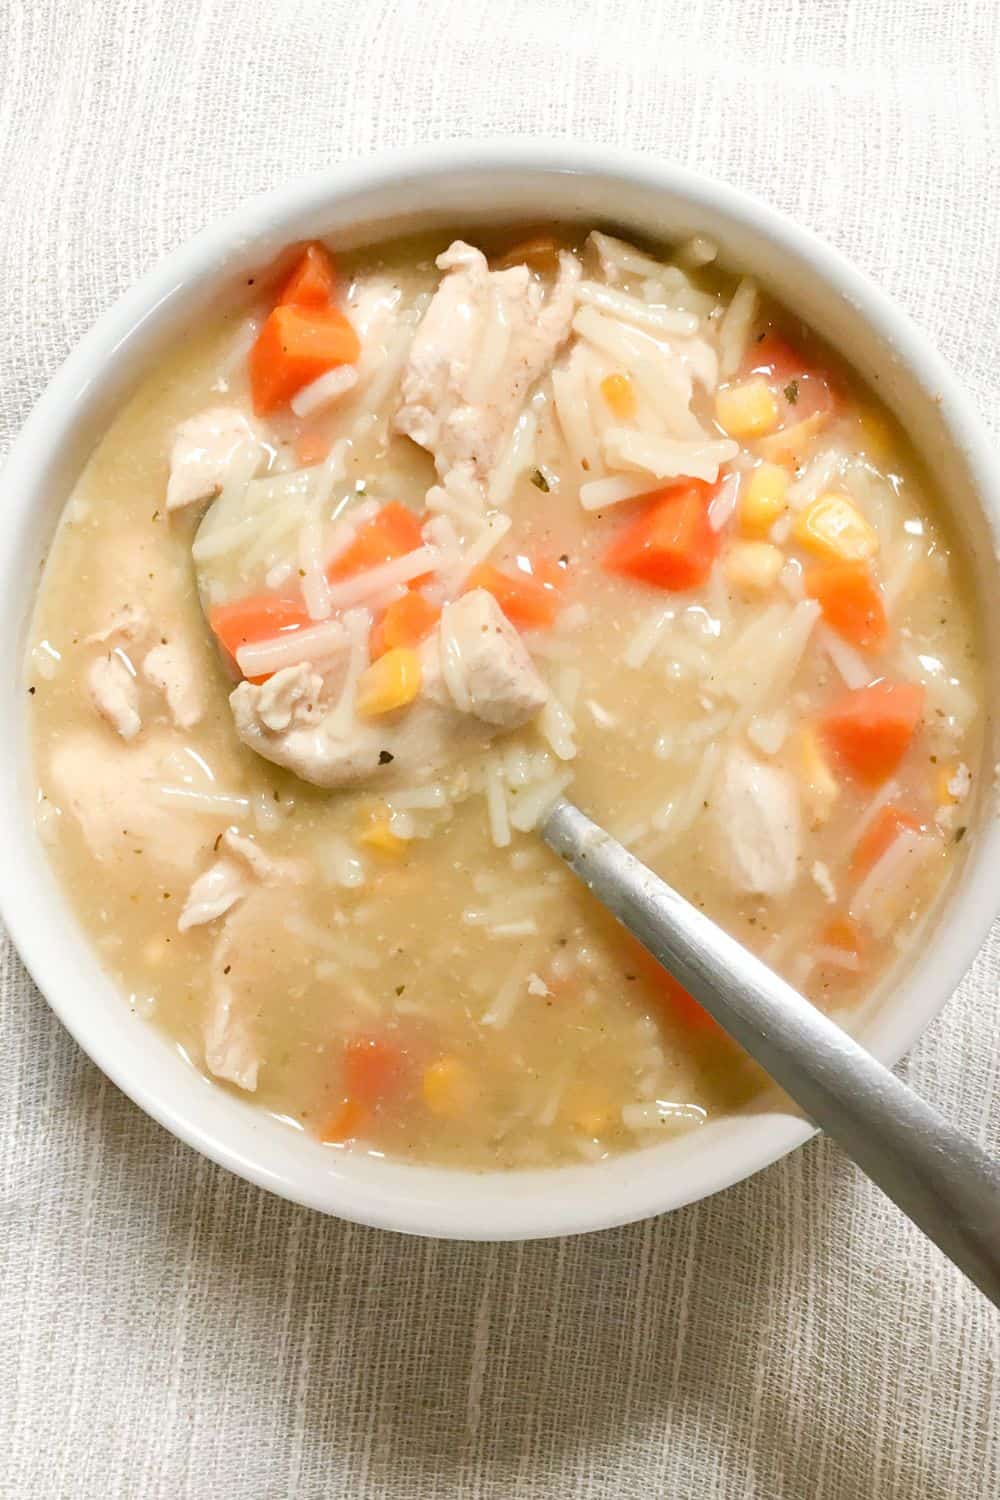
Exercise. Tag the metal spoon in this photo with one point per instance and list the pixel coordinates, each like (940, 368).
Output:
(942, 1180)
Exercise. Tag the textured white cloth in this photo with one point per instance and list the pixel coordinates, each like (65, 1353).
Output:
(168, 1331)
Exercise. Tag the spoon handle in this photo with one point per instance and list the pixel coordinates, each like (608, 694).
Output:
(936, 1175)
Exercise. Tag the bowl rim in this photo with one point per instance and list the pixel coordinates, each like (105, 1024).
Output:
(62, 410)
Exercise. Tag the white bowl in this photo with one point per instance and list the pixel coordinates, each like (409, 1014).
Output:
(463, 185)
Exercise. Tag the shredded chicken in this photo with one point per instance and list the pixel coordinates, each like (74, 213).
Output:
(115, 694)
(476, 678)
(484, 340)
(202, 451)
(213, 894)
(110, 789)
(758, 824)
(229, 1048)
(126, 624)
(170, 669)
(269, 869)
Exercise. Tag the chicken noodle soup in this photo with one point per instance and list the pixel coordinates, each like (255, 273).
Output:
(363, 578)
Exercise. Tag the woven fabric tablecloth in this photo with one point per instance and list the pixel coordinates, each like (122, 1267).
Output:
(169, 1331)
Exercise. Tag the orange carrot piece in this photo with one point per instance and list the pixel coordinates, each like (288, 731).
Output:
(670, 543)
(841, 932)
(869, 729)
(391, 533)
(406, 622)
(295, 347)
(540, 252)
(313, 282)
(877, 837)
(372, 1068)
(774, 357)
(259, 617)
(311, 448)
(345, 1122)
(528, 603)
(851, 601)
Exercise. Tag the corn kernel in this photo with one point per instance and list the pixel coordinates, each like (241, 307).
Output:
(449, 1088)
(378, 835)
(749, 410)
(587, 1108)
(753, 565)
(763, 500)
(389, 683)
(618, 392)
(834, 528)
(791, 445)
(821, 788)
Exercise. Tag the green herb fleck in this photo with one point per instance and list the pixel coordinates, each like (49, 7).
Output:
(792, 392)
(540, 482)
(960, 834)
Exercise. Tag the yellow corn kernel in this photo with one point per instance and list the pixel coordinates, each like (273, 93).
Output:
(391, 682)
(764, 498)
(834, 528)
(587, 1108)
(449, 1088)
(791, 445)
(378, 835)
(753, 565)
(618, 392)
(942, 785)
(749, 410)
(821, 787)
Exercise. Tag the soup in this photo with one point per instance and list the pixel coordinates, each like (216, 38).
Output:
(368, 574)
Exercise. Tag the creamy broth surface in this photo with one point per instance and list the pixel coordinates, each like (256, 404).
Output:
(404, 968)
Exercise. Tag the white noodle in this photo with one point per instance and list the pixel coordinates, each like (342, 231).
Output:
(882, 896)
(315, 588)
(723, 503)
(659, 1112)
(387, 575)
(206, 802)
(734, 330)
(667, 458)
(573, 411)
(323, 392)
(313, 643)
(642, 645)
(530, 806)
(557, 726)
(598, 494)
(357, 625)
(851, 665)
(496, 805)
(517, 456)
(663, 321)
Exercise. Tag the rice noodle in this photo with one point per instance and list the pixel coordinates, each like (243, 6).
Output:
(505, 1001)
(496, 805)
(734, 330)
(663, 321)
(324, 391)
(851, 665)
(398, 570)
(573, 410)
(557, 727)
(357, 626)
(697, 251)
(816, 477)
(662, 379)
(517, 456)
(598, 494)
(645, 640)
(619, 255)
(881, 898)
(676, 816)
(722, 506)
(654, 1113)
(419, 798)
(900, 568)
(315, 586)
(530, 806)
(312, 644)
(765, 658)
(206, 802)
(493, 533)
(667, 458)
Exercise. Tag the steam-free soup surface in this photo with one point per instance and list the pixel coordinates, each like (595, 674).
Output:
(455, 536)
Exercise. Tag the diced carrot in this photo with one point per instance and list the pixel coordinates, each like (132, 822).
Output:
(670, 543)
(877, 837)
(311, 448)
(851, 601)
(774, 357)
(528, 603)
(373, 1068)
(841, 932)
(295, 346)
(345, 1121)
(312, 282)
(391, 533)
(260, 617)
(870, 728)
(406, 622)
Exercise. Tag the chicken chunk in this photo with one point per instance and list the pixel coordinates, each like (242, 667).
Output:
(170, 669)
(758, 822)
(202, 450)
(230, 1052)
(269, 869)
(125, 624)
(476, 679)
(484, 340)
(214, 892)
(114, 692)
(110, 789)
